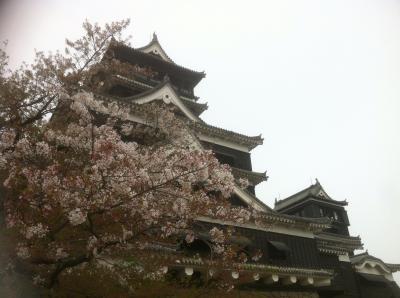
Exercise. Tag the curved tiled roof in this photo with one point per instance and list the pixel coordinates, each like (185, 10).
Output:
(313, 224)
(364, 257)
(191, 103)
(195, 107)
(314, 191)
(253, 177)
(131, 82)
(210, 130)
(140, 53)
(147, 92)
(263, 267)
(154, 41)
(273, 218)
(338, 244)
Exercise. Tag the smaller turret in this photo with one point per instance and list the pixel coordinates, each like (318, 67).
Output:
(314, 202)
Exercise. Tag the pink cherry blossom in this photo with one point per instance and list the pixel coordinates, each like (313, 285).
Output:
(76, 217)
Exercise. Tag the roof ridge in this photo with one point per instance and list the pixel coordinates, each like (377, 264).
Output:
(258, 137)
(289, 197)
(319, 220)
(157, 82)
(313, 192)
(154, 40)
(173, 63)
(250, 171)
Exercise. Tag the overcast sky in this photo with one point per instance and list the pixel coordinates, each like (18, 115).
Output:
(320, 80)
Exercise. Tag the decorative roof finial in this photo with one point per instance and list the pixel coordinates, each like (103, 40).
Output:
(316, 181)
(276, 201)
(155, 36)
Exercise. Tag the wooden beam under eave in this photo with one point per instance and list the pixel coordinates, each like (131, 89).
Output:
(256, 276)
(212, 273)
(271, 279)
(189, 271)
(289, 280)
(322, 282)
(307, 281)
(235, 274)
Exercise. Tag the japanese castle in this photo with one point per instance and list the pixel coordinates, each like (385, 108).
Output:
(306, 247)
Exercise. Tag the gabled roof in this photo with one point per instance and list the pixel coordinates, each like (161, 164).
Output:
(315, 191)
(154, 48)
(123, 52)
(196, 107)
(364, 259)
(165, 92)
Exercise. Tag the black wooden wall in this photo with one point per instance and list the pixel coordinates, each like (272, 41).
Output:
(234, 158)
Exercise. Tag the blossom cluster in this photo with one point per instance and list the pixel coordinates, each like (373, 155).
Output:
(78, 191)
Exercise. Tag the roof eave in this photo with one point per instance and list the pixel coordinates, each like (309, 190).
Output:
(254, 177)
(196, 76)
(213, 131)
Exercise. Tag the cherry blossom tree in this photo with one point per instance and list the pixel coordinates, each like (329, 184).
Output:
(81, 197)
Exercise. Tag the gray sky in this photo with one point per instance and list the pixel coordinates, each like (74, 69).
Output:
(319, 79)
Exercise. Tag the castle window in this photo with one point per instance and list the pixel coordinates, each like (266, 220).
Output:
(197, 247)
(278, 250)
(321, 212)
(335, 215)
(225, 159)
